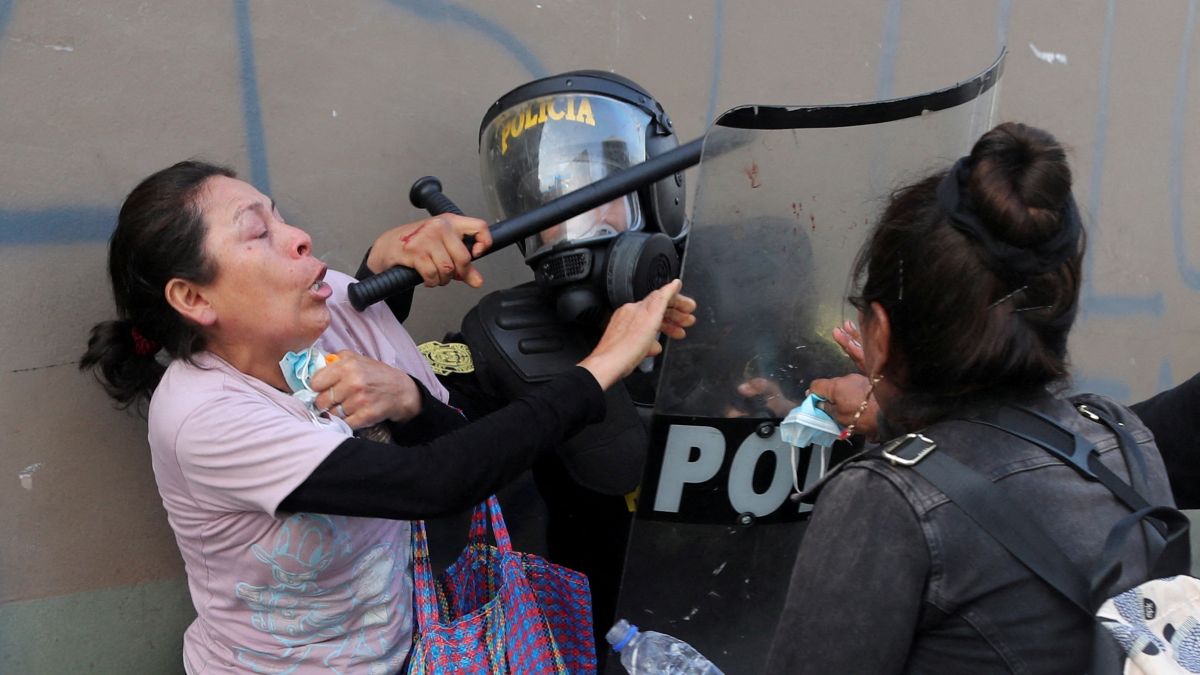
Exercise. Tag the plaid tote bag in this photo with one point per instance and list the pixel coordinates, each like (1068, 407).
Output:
(496, 611)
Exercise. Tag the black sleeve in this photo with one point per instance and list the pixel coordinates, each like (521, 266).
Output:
(1173, 416)
(400, 303)
(434, 420)
(455, 470)
(477, 393)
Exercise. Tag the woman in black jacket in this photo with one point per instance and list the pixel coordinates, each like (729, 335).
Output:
(967, 289)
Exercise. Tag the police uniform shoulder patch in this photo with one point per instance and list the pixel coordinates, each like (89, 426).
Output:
(447, 358)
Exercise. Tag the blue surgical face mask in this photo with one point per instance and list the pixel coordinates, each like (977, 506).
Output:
(806, 425)
(298, 369)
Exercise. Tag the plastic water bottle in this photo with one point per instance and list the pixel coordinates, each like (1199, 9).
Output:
(651, 653)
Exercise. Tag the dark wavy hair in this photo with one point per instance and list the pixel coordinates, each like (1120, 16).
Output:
(159, 236)
(961, 330)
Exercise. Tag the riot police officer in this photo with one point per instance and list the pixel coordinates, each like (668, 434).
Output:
(538, 142)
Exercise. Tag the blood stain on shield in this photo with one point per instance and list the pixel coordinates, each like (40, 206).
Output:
(752, 174)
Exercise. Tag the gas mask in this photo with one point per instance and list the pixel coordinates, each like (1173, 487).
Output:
(558, 134)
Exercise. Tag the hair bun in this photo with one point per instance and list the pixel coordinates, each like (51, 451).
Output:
(1020, 183)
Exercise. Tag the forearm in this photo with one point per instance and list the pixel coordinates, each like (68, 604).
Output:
(433, 420)
(456, 469)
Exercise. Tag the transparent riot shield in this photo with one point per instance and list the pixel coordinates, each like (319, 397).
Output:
(785, 199)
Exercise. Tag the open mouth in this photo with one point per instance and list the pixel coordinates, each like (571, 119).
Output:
(319, 287)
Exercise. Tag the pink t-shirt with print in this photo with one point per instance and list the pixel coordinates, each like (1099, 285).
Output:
(275, 593)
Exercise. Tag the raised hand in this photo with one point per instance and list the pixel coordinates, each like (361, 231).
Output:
(632, 332)
(843, 397)
(850, 340)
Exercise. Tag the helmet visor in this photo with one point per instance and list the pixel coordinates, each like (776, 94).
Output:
(603, 222)
(547, 147)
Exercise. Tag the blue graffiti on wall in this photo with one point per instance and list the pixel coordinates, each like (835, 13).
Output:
(448, 12)
(5, 12)
(95, 223)
(1093, 300)
(56, 225)
(61, 224)
(86, 223)
(256, 144)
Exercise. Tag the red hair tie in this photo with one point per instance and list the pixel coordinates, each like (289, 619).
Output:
(142, 345)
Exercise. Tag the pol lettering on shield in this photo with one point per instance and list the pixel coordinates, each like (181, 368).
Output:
(677, 467)
(680, 469)
(742, 496)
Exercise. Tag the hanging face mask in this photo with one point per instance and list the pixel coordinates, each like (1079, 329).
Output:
(298, 369)
(806, 425)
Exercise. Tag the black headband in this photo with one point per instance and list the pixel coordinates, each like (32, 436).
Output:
(1010, 262)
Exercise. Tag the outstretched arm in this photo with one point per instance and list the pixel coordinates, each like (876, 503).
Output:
(463, 465)
(459, 466)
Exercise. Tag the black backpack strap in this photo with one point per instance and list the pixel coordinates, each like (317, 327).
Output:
(1134, 459)
(1174, 557)
(1073, 449)
(1005, 521)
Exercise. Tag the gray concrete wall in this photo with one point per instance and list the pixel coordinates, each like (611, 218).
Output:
(335, 107)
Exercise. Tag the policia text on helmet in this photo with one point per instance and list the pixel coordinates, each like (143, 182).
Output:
(552, 136)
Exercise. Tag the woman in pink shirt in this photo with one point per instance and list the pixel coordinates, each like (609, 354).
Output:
(292, 522)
